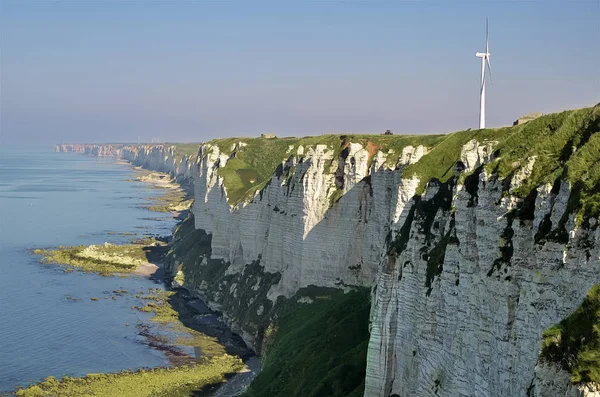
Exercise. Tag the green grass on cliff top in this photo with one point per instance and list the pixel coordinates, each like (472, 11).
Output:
(255, 163)
(565, 145)
(252, 166)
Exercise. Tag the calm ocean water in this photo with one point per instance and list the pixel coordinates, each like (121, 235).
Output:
(49, 199)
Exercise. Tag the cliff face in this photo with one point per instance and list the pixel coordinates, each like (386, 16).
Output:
(474, 244)
(289, 232)
(290, 226)
(460, 310)
(464, 280)
(158, 158)
(163, 158)
(91, 149)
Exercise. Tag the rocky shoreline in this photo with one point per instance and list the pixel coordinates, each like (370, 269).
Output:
(192, 324)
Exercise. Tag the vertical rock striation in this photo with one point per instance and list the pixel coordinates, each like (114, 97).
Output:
(160, 158)
(473, 244)
(469, 322)
(290, 225)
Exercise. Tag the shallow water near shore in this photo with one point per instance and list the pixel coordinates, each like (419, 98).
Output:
(48, 323)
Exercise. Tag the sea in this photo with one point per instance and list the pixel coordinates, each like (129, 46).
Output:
(49, 325)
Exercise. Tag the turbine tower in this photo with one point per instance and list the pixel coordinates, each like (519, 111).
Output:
(485, 58)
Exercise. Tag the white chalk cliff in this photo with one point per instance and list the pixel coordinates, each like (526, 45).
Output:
(463, 280)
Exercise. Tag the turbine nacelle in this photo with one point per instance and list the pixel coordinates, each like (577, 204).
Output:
(482, 54)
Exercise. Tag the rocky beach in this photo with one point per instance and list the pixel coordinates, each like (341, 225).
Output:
(201, 350)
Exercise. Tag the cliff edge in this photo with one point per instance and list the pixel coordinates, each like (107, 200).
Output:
(480, 248)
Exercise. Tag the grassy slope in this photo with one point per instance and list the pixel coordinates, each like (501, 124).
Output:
(319, 350)
(252, 166)
(574, 343)
(439, 162)
(255, 163)
(565, 145)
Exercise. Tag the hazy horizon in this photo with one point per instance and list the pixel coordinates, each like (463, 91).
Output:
(105, 71)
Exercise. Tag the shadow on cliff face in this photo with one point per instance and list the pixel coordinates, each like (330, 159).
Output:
(155, 254)
(318, 345)
(428, 222)
(314, 323)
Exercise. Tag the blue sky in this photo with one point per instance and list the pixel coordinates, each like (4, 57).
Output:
(98, 71)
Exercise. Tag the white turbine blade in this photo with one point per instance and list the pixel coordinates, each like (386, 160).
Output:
(486, 35)
(487, 51)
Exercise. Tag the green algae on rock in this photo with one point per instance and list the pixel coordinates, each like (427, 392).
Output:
(189, 375)
(107, 259)
(160, 304)
(158, 382)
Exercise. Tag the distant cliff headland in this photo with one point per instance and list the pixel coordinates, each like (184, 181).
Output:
(470, 261)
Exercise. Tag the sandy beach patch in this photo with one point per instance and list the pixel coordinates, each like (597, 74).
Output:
(146, 269)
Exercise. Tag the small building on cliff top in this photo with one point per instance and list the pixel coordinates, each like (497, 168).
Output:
(527, 117)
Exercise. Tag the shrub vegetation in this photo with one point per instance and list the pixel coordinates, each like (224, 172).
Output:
(319, 349)
(574, 343)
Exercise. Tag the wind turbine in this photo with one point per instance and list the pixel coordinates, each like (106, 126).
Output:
(485, 58)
